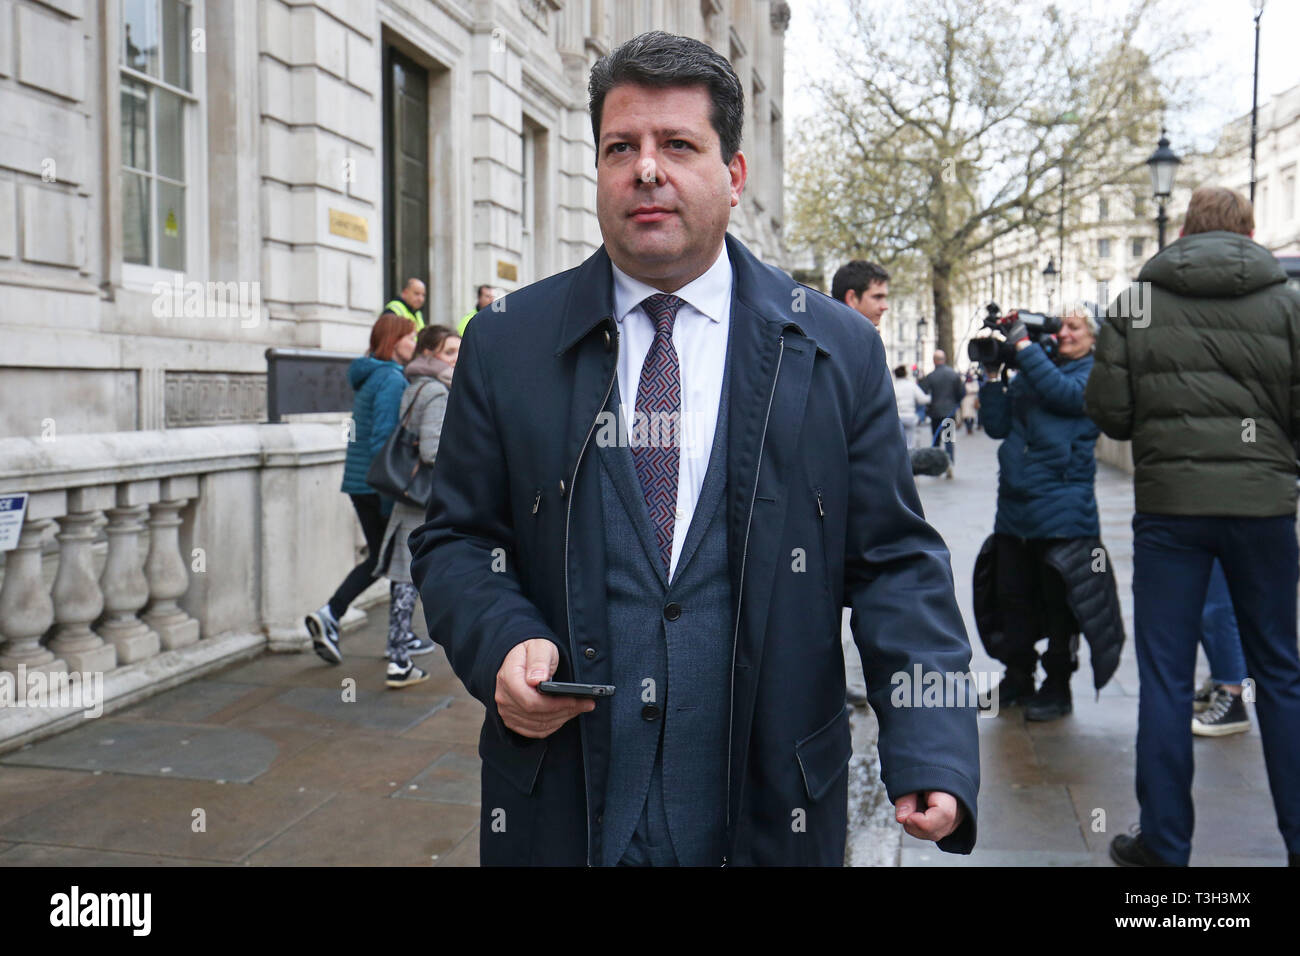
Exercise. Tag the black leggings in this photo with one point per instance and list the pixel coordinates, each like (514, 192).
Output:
(363, 575)
(1031, 598)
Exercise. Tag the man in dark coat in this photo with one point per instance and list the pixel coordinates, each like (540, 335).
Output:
(701, 575)
(1199, 365)
(946, 390)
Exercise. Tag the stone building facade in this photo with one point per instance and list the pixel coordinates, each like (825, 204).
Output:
(312, 154)
(185, 184)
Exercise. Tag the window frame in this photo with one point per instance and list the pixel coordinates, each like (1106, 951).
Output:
(137, 276)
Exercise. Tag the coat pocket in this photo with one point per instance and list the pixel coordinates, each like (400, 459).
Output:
(824, 754)
(518, 763)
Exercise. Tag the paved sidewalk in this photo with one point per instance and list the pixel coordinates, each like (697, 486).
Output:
(1046, 786)
(267, 763)
(269, 756)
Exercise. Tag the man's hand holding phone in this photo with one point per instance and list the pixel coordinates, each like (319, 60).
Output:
(522, 707)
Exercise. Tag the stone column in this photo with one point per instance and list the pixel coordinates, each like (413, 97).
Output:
(26, 611)
(78, 601)
(166, 569)
(123, 581)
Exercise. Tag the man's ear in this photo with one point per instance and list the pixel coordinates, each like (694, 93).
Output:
(739, 170)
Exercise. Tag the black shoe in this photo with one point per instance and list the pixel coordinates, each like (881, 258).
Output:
(1052, 701)
(1016, 687)
(1225, 715)
(1131, 850)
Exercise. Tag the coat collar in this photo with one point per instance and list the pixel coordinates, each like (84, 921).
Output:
(767, 292)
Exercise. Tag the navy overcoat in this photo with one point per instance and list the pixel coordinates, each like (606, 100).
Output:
(822, 512)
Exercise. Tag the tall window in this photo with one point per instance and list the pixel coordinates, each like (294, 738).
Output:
(157, 96)
(1103, 210)
(1288, 194)
(1138, 246)
(1103, 248)
(1139, 206)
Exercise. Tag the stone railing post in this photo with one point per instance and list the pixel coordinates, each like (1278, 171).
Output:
(166, 570)
(123, 581)
(78, 601)
(26, 610)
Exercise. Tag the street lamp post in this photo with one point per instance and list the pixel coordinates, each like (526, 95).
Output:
(1049, 275)
(1254, 99)
(920, 338)
(1162, 163)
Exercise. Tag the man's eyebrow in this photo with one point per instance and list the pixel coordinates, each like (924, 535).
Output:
(671, 132)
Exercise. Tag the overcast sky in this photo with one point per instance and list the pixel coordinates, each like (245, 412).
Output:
(1226, 54)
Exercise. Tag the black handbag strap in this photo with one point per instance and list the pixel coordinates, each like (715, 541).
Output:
(410, 408)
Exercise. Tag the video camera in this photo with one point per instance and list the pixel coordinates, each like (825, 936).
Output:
(987, 350)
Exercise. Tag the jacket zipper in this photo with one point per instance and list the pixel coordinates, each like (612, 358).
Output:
(740, 595)
(568, 618)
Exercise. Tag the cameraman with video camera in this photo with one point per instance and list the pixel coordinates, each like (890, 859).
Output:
(1039, 567)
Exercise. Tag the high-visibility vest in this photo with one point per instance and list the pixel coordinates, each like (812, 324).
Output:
(464, 321)
(399, 307)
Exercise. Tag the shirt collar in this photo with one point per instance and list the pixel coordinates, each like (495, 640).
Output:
(709, 293)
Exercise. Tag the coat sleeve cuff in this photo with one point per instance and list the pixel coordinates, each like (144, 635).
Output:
(915, 779)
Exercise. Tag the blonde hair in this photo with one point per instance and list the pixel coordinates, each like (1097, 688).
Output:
(1215, 208)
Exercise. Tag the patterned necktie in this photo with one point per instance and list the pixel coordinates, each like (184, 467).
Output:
(655, 448)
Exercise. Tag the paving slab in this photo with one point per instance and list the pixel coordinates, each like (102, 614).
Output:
(361, 763)
(354, 829)
(24, 789)
(157, 816)
(154, 748)
(452, 778)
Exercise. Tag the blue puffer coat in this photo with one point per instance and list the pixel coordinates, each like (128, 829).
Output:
(1047, 463)
(379, 385)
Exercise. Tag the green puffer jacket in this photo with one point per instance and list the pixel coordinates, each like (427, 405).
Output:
(1202, 371)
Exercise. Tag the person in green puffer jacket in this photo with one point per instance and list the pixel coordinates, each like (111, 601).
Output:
(1199, 366)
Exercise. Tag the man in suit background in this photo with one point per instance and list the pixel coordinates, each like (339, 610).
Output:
(667, 470)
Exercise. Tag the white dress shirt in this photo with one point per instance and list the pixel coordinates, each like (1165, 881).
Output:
(700, 339)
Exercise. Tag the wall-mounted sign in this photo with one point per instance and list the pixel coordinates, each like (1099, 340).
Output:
(12, 509)
(349, 225)
(508, 271)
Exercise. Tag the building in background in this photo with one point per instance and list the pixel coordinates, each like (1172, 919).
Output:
(185, 184)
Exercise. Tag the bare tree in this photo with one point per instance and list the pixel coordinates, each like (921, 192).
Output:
(946, 124)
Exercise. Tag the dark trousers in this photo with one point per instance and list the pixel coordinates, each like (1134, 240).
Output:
(1031, 599)
(363, 575)
(937, 430)
(1172, 556)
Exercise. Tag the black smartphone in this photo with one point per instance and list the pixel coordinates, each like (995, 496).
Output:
(562, 689)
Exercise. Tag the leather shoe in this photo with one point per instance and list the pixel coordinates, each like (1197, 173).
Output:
(1130, 850)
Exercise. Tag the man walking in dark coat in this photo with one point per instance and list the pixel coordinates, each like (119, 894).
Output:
(946, 390)
(1199, 365)
(667, 470)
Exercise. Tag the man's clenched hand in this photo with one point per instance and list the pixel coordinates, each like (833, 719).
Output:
(523, 708)
(940, 815)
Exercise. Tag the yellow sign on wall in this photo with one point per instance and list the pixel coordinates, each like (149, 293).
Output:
(508, 271)
(349, 225)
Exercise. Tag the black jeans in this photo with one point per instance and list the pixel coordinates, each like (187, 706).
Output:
(363, 575)
(1031, 598)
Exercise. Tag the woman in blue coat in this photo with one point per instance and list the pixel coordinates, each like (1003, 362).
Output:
(378, 382)
(1046, 467)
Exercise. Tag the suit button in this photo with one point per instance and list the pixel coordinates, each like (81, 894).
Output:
(600, 818)
(650, 712)
(672, 611)
(589, 653)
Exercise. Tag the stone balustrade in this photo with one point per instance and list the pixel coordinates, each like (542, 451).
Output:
(150, 556)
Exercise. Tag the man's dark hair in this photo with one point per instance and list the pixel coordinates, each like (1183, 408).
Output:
(856, 275)
(662, 60)
(900, 372)
(479, 291)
